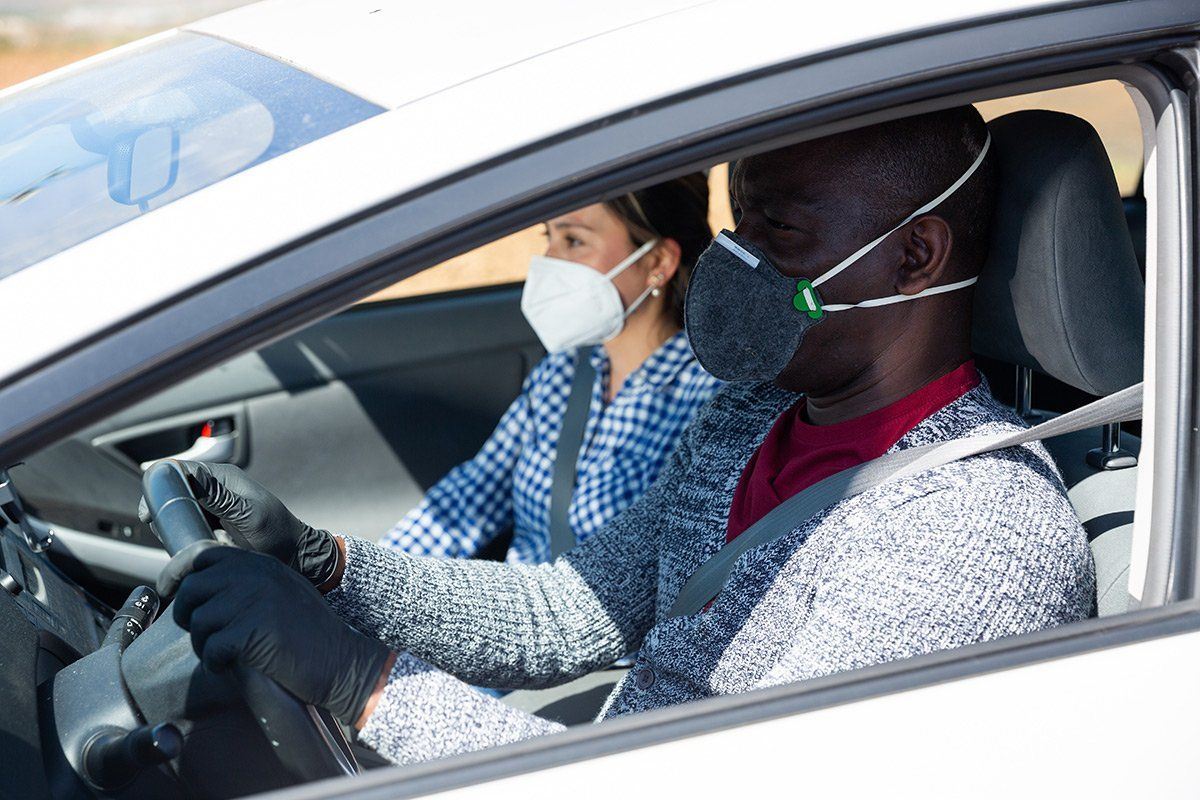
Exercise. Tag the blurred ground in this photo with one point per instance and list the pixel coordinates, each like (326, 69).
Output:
(40, 35)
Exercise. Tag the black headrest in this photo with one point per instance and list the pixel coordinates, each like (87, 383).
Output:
(1061, 291)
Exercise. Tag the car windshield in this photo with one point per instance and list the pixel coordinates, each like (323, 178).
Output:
(88, 151)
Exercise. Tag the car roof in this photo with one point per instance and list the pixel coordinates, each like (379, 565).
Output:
(465, 82)
(394, 52)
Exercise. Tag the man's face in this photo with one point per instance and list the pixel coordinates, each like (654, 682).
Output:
(807, 212)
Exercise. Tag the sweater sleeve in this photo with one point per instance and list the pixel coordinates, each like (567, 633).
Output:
(884, 595)
(515, 625)
(474, 501)
(402, 729)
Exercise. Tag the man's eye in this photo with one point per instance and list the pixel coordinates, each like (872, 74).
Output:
(779, 226)
(573, 242)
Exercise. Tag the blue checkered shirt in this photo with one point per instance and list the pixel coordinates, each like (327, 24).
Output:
(508, 483)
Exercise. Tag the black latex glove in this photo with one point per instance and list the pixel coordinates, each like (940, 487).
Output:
(257, 520)
(245, 609)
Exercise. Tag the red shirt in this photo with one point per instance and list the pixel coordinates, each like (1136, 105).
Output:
(797, 454)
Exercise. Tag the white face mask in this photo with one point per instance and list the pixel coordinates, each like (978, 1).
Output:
(572, 305)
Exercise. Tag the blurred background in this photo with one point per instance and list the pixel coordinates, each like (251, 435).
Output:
(39, 35)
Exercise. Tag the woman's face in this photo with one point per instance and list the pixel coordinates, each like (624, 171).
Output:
(596, 237)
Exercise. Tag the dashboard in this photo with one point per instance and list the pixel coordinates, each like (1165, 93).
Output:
(46, 623)
(70, 623)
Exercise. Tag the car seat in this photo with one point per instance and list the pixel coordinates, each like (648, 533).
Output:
(1062, 294)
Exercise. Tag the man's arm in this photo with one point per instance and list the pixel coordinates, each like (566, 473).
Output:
(513, 626)
(504, 625)
(420, 714)
(491, 624)
(248, 609)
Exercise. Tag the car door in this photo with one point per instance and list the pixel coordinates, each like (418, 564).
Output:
(990, 692)
(349, 421)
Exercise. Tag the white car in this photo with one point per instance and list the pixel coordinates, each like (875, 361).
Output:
(186, 223)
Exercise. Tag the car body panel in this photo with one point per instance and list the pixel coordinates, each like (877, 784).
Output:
(1015, 733)
(394, 53)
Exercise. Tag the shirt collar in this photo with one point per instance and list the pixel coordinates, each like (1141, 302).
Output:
(656, 371)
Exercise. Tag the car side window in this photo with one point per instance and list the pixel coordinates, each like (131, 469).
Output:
(505, 260)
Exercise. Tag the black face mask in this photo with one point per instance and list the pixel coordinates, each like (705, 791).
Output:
(744, 318)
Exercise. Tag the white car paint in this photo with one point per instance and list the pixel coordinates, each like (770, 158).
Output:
(1036, 731)
(435, 130)
(396, 53)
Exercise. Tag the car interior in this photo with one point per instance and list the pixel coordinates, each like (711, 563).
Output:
(351, 419)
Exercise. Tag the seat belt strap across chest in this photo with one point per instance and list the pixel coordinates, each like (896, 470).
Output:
(566, 453)
(708, 581)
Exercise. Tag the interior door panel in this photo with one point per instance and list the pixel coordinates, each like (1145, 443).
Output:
(348, 421)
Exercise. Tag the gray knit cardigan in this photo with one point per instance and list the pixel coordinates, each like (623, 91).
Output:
(971, 551)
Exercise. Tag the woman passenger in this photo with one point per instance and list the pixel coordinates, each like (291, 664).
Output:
(610, 290)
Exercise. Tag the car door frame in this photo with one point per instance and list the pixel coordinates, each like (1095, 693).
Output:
(325, 270)
(1171, 572)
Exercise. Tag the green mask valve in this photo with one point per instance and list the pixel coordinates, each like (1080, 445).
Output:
(806, 300)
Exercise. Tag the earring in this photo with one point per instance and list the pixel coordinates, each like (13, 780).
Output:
(655, 292)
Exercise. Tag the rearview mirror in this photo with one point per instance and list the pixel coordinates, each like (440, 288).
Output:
(143, 165)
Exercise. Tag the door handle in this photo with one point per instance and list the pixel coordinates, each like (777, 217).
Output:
(220, 448)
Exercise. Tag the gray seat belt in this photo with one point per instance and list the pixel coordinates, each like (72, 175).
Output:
(566, 453)
(708, 581)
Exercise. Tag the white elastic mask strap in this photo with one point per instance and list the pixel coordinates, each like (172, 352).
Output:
(630, 260)
(932, 204)
(640, 299)
(900, 298)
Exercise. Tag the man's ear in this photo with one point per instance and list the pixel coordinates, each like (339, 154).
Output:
(926, 243)
(664, 260)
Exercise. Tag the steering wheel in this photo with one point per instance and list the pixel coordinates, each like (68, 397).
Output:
(307, 740)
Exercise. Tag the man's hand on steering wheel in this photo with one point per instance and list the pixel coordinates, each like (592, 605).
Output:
(242, 608)
(257, 520)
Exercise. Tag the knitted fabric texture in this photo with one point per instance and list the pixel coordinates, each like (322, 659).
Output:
(979, 549)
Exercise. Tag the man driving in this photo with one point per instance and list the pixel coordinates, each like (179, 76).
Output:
(839, 310)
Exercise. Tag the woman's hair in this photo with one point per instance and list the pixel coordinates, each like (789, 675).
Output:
(677, 209)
